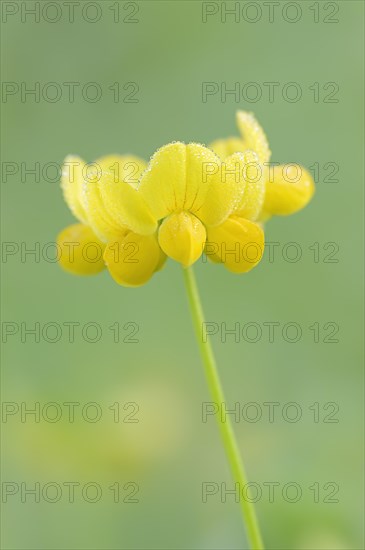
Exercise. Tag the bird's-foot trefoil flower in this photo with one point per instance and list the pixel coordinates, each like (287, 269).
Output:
(192, 194)
(188, 199)
(117, 230)
(288, 188)
(239, 241)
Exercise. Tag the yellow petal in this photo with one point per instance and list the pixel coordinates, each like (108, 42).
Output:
(176, 178)
(126, 168)
(99, 219)
(252, 198)
(126, 205)
(80, 250)
(71, 184)
(133, 260)
(227, 188)
(253, 135)
(115, 207)
(237, 243)
(289, 188)
(223, 148)
(182, 237)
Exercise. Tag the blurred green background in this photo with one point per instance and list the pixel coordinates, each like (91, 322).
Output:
(169, 453)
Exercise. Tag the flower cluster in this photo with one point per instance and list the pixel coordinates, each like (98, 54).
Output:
(188, 200)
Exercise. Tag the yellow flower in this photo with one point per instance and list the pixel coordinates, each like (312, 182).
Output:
(191, 193)
(117, 229)
(288, 188)
(189, 199)
(238, 243)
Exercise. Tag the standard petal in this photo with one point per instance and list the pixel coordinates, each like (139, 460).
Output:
(115, 207)
(250, 204)
(133, 260)
(99, 218)
(178, 178)
(163, 182)
(253, 135)
(237, 243)
(182, 237)
(71, 184)
(223, 148)
(289, 188)
(126, 168)
(126, 205)
(80, 250)
(227, 188)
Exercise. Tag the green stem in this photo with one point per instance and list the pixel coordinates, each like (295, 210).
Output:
(226, 429)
